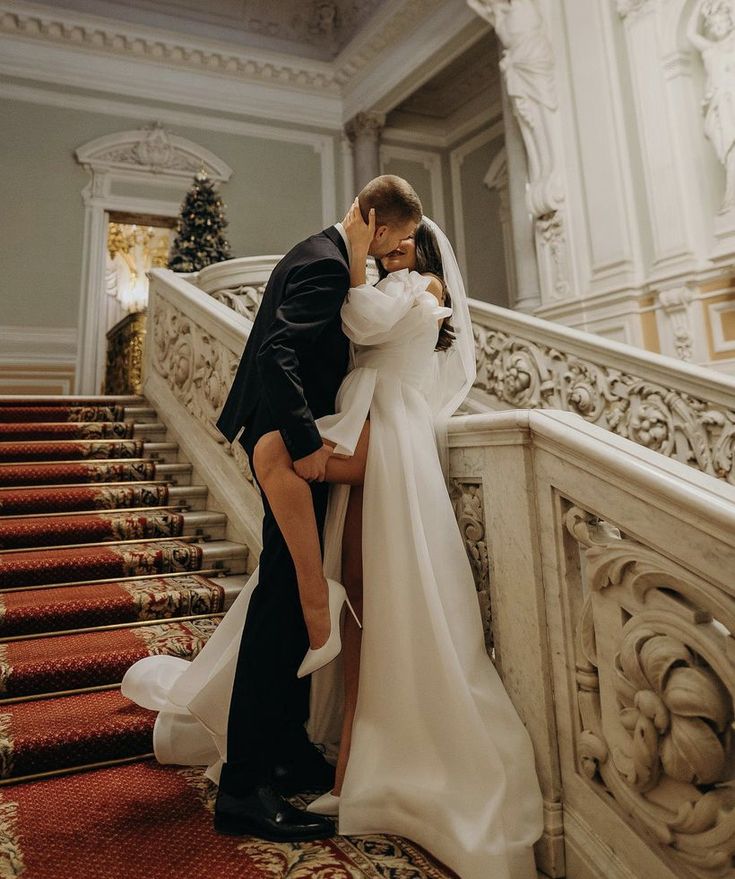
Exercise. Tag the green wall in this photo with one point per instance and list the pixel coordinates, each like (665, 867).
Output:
(273, 199)
(417, 175)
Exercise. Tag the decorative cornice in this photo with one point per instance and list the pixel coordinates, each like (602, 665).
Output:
(95, 33)
(365, 125)
(99, 35)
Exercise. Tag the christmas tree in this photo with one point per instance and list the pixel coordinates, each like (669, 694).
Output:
(199, 240)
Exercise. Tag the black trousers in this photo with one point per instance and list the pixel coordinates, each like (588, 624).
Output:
(269, 704)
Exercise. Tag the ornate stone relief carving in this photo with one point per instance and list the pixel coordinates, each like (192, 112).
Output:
(148, 149)
(470, 513)
(245, 299)
(655, 681)
(197, 369)
(711, 30)
(519, 373)
(528, 68)
(676, 303)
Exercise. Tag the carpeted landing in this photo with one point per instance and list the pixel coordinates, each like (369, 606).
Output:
(146, 821)
(107, 555)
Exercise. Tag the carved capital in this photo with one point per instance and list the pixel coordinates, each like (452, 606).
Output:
(367, 126)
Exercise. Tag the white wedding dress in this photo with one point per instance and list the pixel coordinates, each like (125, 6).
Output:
(439, 754)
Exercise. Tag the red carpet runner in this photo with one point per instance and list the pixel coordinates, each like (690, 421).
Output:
(94, 575)
(57, 499)
(105, 603)
(46, 473)
(27, 531)
(146, 821)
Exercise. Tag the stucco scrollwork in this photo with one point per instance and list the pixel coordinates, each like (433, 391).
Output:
(655, 680)
(519, 373)
(467, 500)
(196, 371)
(529, 71)
(245, 299)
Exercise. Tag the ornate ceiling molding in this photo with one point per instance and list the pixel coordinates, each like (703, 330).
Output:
(63, 27)
(385, 34)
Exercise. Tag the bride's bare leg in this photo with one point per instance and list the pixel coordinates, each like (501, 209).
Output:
(290, 499)
(352, 635)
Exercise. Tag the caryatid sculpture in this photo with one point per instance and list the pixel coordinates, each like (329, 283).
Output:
(527, 63)
(528, 66)
(712, 30)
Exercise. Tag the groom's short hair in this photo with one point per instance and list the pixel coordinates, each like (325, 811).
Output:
(394, 199)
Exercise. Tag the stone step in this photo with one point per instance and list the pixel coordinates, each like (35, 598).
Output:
(175, 473)
(144, 598)
(149, 431)
(140, 413)
(82, 527)
(161, 452)
(60, 662)
(65, 732)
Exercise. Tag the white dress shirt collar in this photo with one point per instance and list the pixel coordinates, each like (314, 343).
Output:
(341, 229)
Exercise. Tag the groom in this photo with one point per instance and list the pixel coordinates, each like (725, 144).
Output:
(292, 366)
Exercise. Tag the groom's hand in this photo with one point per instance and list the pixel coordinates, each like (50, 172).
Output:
(313, 467)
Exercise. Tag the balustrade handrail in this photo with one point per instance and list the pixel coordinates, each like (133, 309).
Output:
(677, 374)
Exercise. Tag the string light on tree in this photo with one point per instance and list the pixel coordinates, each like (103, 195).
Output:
(200, 240)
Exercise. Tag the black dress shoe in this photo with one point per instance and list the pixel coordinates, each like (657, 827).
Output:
(310, 772)
(264, 813)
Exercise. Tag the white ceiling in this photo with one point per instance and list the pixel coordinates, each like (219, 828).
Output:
(317, 29)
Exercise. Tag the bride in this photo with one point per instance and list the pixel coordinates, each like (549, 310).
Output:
(427, 742)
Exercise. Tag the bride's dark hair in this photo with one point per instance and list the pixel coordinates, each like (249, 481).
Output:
(429, 261)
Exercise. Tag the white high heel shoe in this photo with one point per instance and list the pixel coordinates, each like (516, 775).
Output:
(315, 659)
(326, 804)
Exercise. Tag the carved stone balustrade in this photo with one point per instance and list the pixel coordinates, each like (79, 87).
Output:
(192, 350)
(613, 613)
(680, 410)
(238, 283)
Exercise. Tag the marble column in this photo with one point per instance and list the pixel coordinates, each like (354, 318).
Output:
(364, 130)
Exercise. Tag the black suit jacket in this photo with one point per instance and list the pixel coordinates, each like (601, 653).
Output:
(296, 356)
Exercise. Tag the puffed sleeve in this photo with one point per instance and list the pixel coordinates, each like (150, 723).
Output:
(369, 313)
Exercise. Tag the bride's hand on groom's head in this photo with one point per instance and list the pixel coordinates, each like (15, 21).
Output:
(358, 231)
